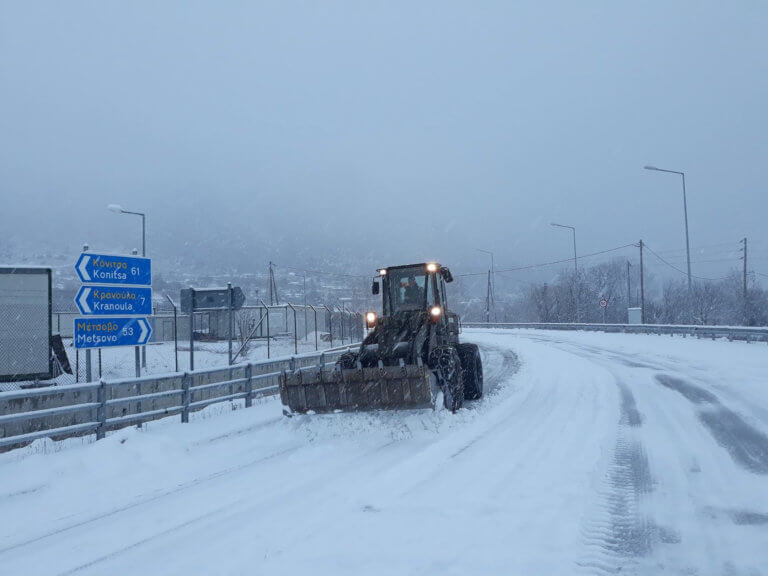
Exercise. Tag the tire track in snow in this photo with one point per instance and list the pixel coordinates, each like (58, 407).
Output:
(510, 364)
(747, 446)
(621, 533)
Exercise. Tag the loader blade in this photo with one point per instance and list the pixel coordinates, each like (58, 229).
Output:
(358, 389)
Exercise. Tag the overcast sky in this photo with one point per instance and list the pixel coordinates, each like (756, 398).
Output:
(384, 131)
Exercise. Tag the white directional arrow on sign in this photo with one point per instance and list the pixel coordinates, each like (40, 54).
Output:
(83, 301)
(83, 269)
(145, 331)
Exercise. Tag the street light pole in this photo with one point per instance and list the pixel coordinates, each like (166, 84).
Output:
(575, 264)
(573, 231)
(120, 210)
(685, 213)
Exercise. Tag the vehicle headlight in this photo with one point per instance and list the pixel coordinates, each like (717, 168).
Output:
(431, 267)
(435, 312)
(370, 319)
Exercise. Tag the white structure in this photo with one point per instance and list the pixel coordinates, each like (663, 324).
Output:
(25, 323)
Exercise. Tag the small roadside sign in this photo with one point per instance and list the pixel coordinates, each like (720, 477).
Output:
(211, 298)
(107, 332)
(111, 269)
(603, 302)
(114, 300)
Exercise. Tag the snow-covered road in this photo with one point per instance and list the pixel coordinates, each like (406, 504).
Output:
(591, 453)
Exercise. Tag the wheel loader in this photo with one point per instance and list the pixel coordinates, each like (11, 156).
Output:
(410, 358)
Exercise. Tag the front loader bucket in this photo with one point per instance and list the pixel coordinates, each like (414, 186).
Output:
(358, 389)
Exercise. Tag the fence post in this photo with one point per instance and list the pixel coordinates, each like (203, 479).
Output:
(191, 329)
(229, 322)
(101, 411)
(315, 311)
(248, 386)
(330, 325)
(185, 394)
(175, 337)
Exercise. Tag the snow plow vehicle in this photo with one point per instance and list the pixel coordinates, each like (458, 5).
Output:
(410, 358)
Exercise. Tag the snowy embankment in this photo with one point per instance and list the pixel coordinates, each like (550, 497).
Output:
(594, 453)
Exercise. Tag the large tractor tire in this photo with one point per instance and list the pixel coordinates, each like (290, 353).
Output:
(472, 366)
(446, 362)
(347, 361)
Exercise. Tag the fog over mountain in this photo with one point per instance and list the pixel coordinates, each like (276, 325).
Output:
(359, 134)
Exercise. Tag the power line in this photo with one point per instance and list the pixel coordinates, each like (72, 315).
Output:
(543, 264)
(325, 273)
(682, 271)
(733, 259)
(694, 248)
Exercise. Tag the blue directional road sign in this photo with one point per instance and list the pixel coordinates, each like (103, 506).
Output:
(110, 269)
(114, 300)
(107, 332)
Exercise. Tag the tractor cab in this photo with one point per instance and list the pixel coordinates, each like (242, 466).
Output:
(414, 312)
(413, 288)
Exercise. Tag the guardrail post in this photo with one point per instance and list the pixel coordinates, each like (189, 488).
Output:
(101, 411)
(248, 386)
(138, 404)
(185, 396)
(292, 363)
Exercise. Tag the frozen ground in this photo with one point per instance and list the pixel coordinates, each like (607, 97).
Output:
(120, 362)
(593, 454)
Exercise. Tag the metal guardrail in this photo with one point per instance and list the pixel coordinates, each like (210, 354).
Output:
(184, 392)
(748, 334)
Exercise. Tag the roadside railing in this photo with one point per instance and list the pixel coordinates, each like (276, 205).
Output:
(60, 412)
(748, 334)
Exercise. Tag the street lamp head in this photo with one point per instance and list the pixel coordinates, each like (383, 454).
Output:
(650, 167)
(115, 208)
(562, 225)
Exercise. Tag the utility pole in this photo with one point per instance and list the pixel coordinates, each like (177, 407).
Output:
(629, 288)
(642, 286)
(746, 300)
(490, 297)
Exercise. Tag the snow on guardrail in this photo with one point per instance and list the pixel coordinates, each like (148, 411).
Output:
(95, 407)
(745, 333)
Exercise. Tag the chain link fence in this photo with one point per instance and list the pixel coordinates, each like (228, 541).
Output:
(257, 332)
